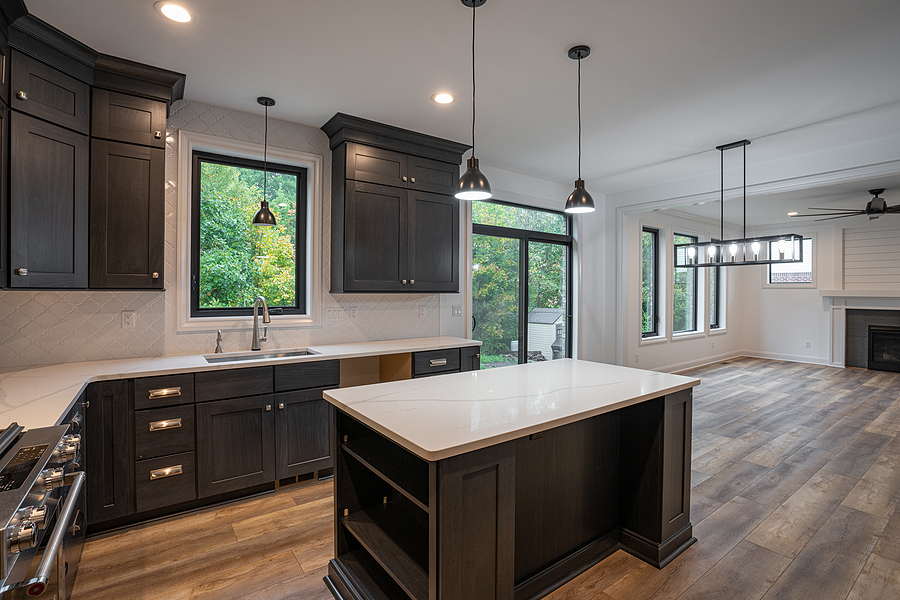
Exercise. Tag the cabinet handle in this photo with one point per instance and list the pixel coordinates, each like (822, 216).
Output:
(155, 275)
(403, 178)
(268, 407)
(164, 393)
(157, 135)
(403, 281)
(478, 355)
(21, 272)
(411, 281)
(167, 472)
(437, 362)
(281, 406)
(412, 179)
(21, 95)
(170, 424)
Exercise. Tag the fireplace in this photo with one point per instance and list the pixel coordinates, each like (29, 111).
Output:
(884, 348)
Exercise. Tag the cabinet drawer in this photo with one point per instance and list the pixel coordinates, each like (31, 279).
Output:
(436, 361)
(218, 385)
(129, 119)
(163, 431)
(168, 390)
(164, 481)
(299, 376)
(42, 91)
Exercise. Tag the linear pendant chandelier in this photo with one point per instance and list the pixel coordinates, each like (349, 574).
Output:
(473, 185)
(761, 250)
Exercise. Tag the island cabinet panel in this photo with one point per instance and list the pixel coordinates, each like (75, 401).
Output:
(108, 451)
(303, 433)
(235, 448)
(48, 214)
(655, 477)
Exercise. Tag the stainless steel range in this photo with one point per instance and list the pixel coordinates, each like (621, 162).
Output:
(41, 510)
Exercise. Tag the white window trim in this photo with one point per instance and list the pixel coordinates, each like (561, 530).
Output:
(796, 286)
(188, 142)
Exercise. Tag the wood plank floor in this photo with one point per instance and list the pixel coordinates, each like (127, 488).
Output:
(796, 483)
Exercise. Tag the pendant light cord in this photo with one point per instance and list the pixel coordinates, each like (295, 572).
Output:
(473, 79)
(266, 155)
(745, 191)
(579, 117)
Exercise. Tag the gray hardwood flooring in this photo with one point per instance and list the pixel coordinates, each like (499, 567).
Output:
(795, 486)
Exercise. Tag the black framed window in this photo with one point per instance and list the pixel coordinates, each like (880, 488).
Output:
(233, 261)
(649, 282)
(788, 273)
(715, 296)
(521, 283)
(684, 288)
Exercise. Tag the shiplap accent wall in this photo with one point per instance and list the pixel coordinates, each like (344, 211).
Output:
(872, 258)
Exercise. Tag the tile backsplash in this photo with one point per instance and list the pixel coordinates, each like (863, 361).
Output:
(46, 327)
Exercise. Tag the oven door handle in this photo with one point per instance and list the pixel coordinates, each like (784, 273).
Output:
(38, 583)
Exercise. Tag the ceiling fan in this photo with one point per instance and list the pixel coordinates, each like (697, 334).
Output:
(875, 208)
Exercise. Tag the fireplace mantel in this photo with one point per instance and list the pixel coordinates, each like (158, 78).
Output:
(859, 293)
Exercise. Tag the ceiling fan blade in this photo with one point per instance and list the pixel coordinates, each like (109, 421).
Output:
(826, 208)
(837, 217)
(848, 213)
(892, 209)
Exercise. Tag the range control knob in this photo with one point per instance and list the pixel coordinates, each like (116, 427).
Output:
(22, 537)
(53, 478)
(65, 452)
(34, 514)
(73, 439)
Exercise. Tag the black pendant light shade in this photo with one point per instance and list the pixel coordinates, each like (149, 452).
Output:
(580, 200)
(264, 216)
(473, 185)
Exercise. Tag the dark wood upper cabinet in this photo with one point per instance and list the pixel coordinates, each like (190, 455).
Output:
(4, 68)
(395, 223)
(4, 195)
(127, 215)
(46, 93)
(130, 119)
(48, 210)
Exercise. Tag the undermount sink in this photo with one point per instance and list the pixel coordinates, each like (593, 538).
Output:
(239, 356)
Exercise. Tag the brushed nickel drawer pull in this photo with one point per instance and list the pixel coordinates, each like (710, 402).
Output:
(22, 95)
(167, 472)
(22, 272)
(165, 393)
(437, 362)
(170, 424)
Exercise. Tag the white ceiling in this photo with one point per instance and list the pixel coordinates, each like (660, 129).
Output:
(665, 81)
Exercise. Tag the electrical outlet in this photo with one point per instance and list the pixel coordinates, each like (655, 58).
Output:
(456, 310)
(713, 344)
(808, 344)
(354, 311)
(421, 312)
(127, 319)
(334, 314)
(637, 358)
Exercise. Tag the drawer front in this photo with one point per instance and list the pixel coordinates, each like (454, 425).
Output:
(42, 91)
(436, 361)
(164, 481)
(233, 383)
(299, 376)
(129, 119)
(163, 431)
(168, 390)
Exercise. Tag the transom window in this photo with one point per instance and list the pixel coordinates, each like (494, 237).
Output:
(234, 261)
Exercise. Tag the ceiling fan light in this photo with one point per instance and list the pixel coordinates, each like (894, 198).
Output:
(580, 200)
(473, 185)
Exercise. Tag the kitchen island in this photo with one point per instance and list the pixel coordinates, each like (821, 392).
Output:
(505, 483)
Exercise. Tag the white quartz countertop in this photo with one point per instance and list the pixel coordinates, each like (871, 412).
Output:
(41, 396)
(440, 417)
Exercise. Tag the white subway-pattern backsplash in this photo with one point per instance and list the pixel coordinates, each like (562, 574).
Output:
(46, 327)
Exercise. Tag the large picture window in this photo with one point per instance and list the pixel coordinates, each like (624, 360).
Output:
(684, 298)
(521, 283)
(649, 282)
(233, 261)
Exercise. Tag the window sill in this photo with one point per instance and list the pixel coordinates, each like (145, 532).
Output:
(656, 339)
(718, 331)
(789, 286)
(688, 335)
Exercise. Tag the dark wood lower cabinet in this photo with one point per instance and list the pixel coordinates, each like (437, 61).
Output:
(107, 448)
(515, 520)
(304, 427)
(235, 448)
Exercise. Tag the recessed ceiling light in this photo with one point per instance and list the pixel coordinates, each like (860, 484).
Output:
(173, 11)
(443, 98)
(791, 214)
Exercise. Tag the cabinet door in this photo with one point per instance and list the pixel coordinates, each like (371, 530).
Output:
(375, 239)
(44, 92)
(4, 68)
(433, 230)
(470, 358)
(48, 205)
(107, 451)
(376, 165)
(235, 444)
(130, 119)
(127, 211)
(4, 195)
(303, 433)
(430, 175)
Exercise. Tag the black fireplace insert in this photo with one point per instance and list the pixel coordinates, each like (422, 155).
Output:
(884, 348)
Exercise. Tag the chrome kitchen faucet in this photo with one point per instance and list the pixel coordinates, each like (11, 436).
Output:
(256, 337)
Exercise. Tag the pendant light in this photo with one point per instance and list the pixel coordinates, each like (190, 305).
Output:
(473, 185)
(580, 200)
(264, 216)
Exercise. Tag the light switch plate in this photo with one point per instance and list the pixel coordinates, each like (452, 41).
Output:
(334, 314)
(456, 310)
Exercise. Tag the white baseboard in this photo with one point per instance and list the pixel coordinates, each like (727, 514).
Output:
(799, 358)
(698, 362)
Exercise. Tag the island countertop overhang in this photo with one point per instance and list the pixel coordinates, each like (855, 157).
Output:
(440, 417)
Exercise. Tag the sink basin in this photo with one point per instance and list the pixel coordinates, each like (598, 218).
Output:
(240, 356)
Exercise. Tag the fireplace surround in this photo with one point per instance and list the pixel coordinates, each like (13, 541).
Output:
(858, 321)
(884, 348)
